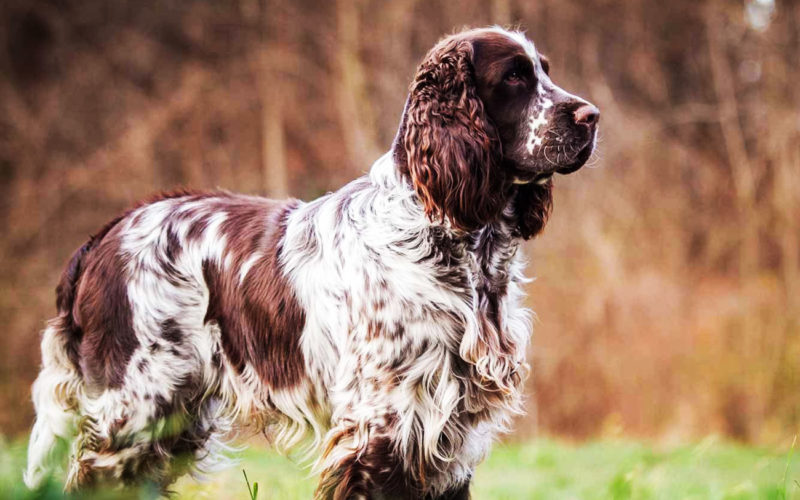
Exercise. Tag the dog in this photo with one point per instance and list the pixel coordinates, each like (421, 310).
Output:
(382, 323)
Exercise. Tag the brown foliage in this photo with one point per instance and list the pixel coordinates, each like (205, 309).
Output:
(669, 276)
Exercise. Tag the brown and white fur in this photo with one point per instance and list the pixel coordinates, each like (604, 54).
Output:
(384, 321)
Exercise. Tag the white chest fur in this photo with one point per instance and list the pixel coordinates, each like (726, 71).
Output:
(409, 333)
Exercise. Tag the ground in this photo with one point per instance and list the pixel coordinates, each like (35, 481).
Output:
(541, 469)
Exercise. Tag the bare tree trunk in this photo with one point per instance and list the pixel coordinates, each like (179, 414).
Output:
(501, 12)
(275, 175)
(728, 115)
(274, 170)
(355, 115)
(787, 205)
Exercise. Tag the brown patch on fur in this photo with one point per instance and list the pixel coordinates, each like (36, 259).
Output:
(171, 331)
(457, 493)
(375, 469)
(173, 248)
(261, 319)
(67, 289)
(378, 469)
(375, 329)
(103, 312)
(197, 228)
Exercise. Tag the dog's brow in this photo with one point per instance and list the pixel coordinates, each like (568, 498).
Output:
(518, 37)
(545, 62)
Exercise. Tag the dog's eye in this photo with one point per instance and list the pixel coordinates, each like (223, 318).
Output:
(520, 71)
(513, 76)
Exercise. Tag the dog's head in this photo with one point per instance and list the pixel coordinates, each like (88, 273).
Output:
(485, 124)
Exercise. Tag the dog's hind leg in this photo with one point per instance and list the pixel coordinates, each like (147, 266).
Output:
(111, 446)
(132, 438)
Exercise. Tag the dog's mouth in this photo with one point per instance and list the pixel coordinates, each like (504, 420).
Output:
(568, 165)
(578, 160)
(539, 179)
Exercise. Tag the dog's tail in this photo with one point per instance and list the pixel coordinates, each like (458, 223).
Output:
(55, 396)
(58, 389)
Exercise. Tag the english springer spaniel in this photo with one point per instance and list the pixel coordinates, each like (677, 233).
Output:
(382, 322)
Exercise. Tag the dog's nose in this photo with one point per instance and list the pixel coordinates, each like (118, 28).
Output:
(587, 114)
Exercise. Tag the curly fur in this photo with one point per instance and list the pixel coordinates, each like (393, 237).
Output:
(383, 322)
(452, 150)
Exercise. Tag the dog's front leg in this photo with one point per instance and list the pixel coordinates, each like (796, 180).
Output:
(360, 462)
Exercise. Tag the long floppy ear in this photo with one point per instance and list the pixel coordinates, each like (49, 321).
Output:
(532, 206)
(452, 152)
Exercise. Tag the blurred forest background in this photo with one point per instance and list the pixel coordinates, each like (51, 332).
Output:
(668, 288)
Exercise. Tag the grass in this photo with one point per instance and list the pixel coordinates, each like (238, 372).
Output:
(543, 469)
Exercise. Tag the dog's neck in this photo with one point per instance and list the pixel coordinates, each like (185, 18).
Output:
(489, 247)
(387, 173)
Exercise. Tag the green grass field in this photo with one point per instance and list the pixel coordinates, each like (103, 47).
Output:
(543, 469)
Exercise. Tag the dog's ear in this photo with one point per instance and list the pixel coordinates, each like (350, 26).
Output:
(532, 206)
(452, 151)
